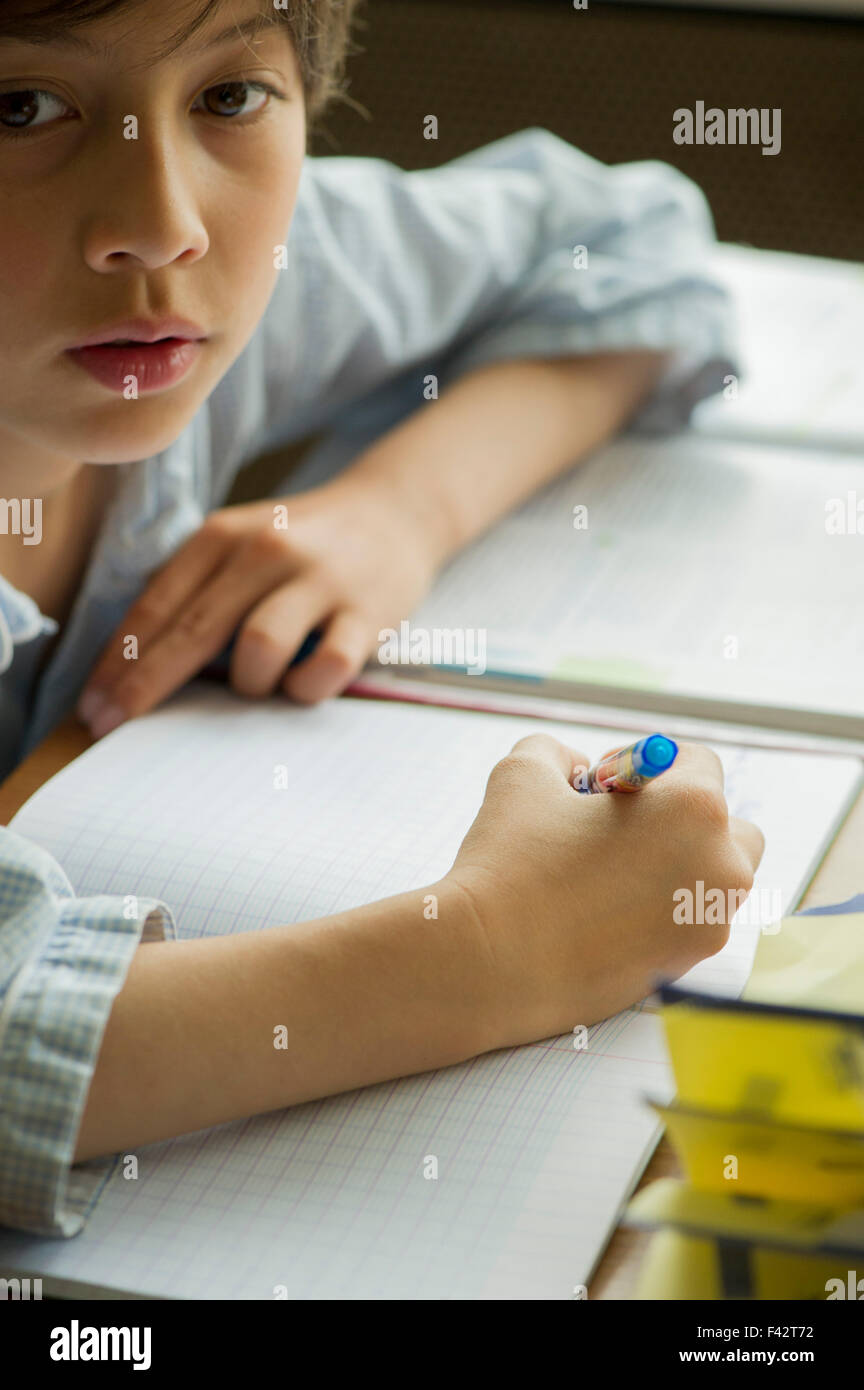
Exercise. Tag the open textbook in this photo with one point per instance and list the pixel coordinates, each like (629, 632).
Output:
(497, 1178)
(800, 321)
(687, 575)
(714, 574)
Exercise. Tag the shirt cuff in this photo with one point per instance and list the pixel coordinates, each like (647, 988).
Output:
(53, 1019)
(695, 326)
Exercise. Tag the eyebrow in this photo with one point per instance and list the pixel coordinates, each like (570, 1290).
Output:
(249, 28)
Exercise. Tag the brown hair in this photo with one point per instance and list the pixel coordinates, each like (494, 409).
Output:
(320, 31)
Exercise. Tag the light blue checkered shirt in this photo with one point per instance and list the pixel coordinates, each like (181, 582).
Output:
(391, 276)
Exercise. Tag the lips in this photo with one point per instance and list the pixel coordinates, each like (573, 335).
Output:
(140, 330)
(138, 367)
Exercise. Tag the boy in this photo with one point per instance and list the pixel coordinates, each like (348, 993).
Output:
(160, 203)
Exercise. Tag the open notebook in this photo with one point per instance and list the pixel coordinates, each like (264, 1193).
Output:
(688, 575)
(537, 1147)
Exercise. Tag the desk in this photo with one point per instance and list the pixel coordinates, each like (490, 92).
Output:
(839, 876)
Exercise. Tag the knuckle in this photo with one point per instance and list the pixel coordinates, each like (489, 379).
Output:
(149, 612)
(704, 804)
(529, 741)
(537, 743)
(194, 624)
(698, 754)
(263, 638)
(270, 544)
(513, 768)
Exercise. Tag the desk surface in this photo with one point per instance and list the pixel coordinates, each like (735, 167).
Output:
(839, 877)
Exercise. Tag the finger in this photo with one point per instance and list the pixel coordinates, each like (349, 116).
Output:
(198, 633)
(696, 763)
(167, 591)
(339, 656)
(695, 758)
(273, 633)
(550, 754)
(749, 838)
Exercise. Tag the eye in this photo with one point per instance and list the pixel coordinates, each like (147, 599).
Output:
(19, 110)
(232, 97)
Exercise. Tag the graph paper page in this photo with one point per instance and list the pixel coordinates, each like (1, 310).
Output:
(498, 1178)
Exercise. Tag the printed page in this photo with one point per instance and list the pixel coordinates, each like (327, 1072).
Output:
(726, 572)
(800, 323)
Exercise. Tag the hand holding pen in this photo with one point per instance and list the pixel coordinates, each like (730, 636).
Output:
(629, 769)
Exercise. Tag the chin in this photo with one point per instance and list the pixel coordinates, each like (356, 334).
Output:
(123, 439)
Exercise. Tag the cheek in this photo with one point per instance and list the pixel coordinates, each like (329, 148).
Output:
(28, 251)
(259, 184)
(252, 230)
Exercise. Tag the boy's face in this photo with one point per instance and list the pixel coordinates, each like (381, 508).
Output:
(182, 219)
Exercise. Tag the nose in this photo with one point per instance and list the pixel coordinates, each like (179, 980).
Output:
(146, 214)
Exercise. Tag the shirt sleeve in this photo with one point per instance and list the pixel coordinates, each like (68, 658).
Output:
(63, 960)
(525, 247)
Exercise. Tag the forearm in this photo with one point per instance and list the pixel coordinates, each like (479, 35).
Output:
(364, 996)
(497, 435)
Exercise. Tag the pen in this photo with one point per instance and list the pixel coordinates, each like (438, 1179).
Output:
(628, 769)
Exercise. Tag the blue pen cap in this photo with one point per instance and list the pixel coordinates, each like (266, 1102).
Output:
(656, 753)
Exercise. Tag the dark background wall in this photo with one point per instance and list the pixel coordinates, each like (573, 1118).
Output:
(608, 79)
